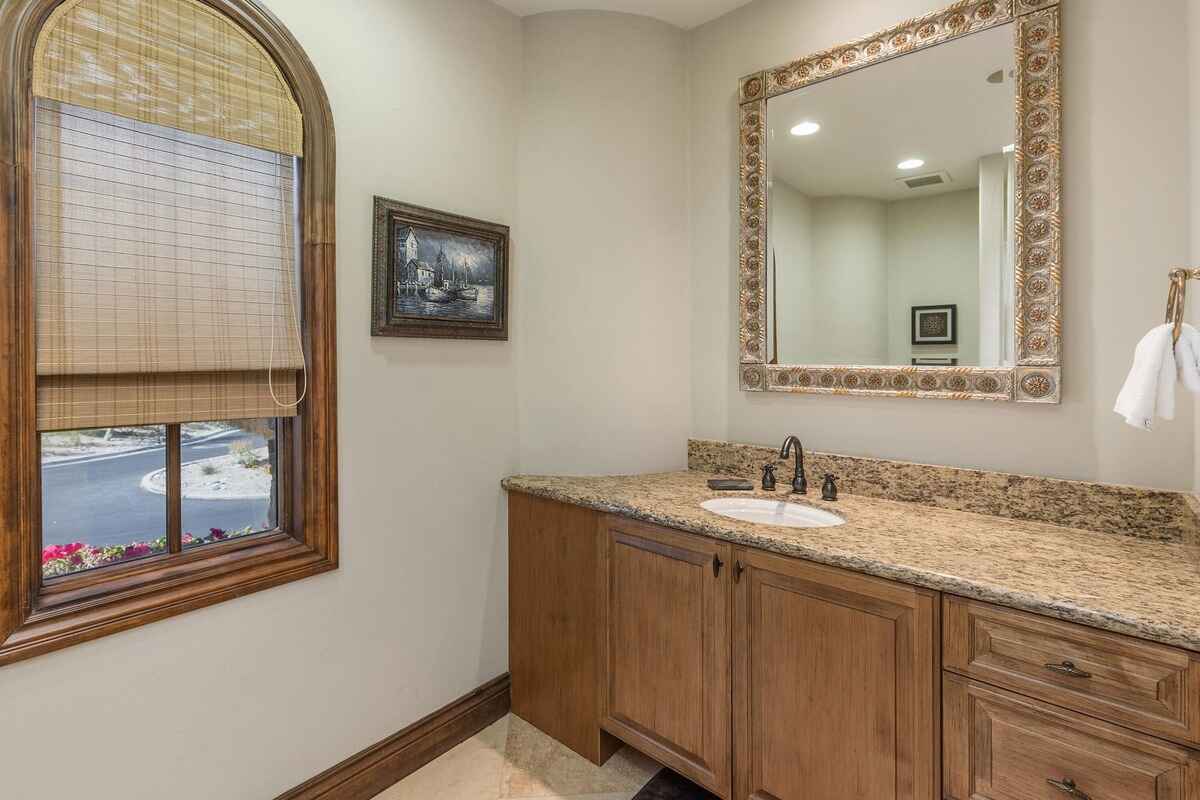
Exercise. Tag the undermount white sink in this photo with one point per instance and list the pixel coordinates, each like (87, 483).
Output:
(772, 512)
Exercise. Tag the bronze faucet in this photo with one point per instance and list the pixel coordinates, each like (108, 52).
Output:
(799, 482)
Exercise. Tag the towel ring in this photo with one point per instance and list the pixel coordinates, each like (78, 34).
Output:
(1177, 298)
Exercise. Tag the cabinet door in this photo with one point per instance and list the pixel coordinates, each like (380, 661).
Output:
(1000, 746)
(836, 684)
(666, 687)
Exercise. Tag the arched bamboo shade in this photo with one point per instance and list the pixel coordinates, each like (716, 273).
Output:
(175, 63)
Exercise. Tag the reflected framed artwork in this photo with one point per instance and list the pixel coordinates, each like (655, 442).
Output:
(935, 324)
(438, 275)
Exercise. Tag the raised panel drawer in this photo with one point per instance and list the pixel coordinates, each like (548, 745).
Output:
(1149, 687)
(1000, 746)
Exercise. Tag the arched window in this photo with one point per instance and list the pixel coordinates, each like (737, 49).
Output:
(167, 253)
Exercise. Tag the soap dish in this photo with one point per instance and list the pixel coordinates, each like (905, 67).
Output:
(730, 485)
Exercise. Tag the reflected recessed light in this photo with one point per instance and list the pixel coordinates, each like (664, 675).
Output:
(911, 163)
(806, 129)
(1009, 148)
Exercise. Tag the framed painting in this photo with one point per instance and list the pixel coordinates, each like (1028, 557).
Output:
(438, 275)
(935, 324)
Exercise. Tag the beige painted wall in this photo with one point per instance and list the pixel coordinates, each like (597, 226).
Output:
(602, 309)
(246, 699)
(789, 288)
(1126, 222)
(851, 268)
(849, 281)
(933, 258)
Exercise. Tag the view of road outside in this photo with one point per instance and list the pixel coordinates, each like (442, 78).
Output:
(104, 491)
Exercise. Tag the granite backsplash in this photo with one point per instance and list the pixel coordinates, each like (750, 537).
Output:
(1144, 513)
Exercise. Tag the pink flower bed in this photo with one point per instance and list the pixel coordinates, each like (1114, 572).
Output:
(63, 559)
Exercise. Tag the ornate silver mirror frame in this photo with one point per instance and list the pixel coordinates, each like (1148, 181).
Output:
(1036, 378)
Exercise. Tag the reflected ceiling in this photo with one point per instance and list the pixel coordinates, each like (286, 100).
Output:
(869, 125)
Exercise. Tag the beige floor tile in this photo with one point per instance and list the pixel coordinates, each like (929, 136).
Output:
(513, 760)
(537, 766)
(470, 771)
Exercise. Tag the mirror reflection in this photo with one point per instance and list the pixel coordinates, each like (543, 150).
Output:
(890, 228)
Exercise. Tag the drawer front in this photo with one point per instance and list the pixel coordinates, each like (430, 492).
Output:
(1148, 687)
(1000, 746)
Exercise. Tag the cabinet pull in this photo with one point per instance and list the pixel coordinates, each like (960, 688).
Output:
(738, 569)
(717, 564)
(1068, 668)
(1067, 787)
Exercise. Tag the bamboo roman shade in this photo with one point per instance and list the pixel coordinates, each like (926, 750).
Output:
(164, 219)
(176, 63)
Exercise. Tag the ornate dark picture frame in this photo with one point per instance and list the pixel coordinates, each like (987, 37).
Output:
(417, 294)
(1037, 376)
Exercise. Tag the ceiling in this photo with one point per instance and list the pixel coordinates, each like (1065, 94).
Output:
(934, 104)
(681, 13)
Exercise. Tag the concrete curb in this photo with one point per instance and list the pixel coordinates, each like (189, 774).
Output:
(151, 485)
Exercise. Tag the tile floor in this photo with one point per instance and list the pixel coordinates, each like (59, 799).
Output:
(513, 759)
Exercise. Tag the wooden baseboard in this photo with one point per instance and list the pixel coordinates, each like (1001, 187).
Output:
(368, 773)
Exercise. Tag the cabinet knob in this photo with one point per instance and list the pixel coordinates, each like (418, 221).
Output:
(1068, 787)
(738, 569)
(1068, 668)
(717, 564)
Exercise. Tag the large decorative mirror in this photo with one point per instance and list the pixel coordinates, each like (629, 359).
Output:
(899, 212)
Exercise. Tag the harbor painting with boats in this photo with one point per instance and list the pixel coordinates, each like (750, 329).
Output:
(437, 274)
(443, 274)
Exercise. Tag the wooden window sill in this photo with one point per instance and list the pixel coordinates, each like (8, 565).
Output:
(80, 608)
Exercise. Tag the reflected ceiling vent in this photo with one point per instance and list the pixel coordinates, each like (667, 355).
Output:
(925, 181)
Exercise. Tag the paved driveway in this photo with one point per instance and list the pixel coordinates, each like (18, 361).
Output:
(100, 500)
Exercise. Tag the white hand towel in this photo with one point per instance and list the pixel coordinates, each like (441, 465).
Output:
(1149, 390)
(1187, 358)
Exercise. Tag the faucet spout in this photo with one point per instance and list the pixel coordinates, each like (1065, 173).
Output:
(799, 481)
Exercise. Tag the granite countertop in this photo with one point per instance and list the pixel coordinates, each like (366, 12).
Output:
(1144, 588)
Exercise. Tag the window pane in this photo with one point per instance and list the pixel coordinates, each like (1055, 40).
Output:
(100, 505)
(229, 486)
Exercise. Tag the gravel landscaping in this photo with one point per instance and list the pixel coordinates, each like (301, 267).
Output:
(220, 478)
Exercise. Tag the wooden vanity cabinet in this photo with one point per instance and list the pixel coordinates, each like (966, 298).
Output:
(836, 683)
(666, 602)
(763, 677)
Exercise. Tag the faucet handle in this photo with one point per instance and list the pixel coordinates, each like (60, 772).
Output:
(768, 478)
(829, 491)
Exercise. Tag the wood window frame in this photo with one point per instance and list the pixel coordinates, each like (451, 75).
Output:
(38, 616)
